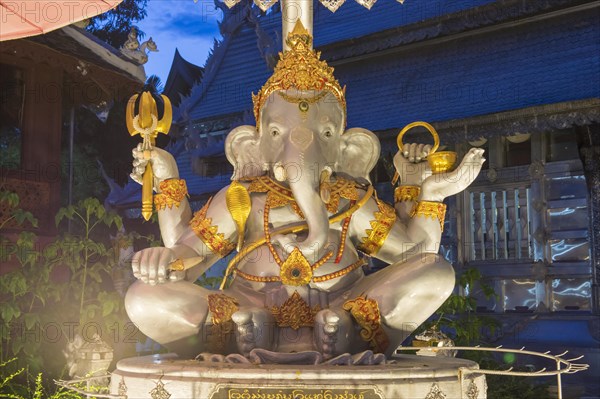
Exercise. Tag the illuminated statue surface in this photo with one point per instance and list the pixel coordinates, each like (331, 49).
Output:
(303, 214)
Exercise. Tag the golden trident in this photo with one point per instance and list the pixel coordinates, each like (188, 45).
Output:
(143, 117)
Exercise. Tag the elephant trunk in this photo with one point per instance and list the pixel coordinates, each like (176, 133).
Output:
(303, 169)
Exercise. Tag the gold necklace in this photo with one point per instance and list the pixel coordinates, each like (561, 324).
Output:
(231, 268)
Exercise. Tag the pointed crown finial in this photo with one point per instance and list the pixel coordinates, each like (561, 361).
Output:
(299, 68)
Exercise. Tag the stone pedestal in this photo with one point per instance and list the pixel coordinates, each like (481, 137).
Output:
(409, 377)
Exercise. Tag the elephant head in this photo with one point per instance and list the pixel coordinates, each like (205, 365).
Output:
(300, 141)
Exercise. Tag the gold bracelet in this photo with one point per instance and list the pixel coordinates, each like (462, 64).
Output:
(380, 228)
(430, 209)
(209, 234)
(406, 193)
(172, 192)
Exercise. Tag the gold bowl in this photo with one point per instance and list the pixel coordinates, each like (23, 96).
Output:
(439, 162)
(442, 161)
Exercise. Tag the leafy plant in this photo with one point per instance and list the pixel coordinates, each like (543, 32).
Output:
(457, 316)
(13, 387)
(114, 26)
(67, 286)
(11, 201)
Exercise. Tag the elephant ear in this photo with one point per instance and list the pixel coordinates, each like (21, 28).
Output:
(242, 151)
(359, 153)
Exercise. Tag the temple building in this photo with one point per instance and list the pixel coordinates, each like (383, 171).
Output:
(520, 79)
(42, 81)
(182, 77)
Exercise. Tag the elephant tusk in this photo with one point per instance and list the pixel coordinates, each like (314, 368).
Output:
(279, 172)
(293, 229)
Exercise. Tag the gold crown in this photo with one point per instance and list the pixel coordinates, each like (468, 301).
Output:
(299, 68)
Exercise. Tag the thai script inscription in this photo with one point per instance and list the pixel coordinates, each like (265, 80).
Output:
(295, 393)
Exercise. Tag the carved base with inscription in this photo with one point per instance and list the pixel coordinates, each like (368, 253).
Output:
(408, 376)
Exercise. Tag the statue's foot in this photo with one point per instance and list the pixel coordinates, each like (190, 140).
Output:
(254, 327)
(330, 328)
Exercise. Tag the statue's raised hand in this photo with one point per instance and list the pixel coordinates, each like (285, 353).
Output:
(439, 186)
(151, 265)
(163, 164)
(411, 165)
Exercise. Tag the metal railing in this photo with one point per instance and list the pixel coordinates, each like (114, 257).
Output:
(563, 366)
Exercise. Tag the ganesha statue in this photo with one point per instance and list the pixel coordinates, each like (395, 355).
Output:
(304, 218)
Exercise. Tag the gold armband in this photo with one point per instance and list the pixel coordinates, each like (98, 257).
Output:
(209, 234)
(172, 192)
(366, 313)
(430, 209)
(380, 228)
(406, 193)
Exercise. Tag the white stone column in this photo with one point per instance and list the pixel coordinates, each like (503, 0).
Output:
(293, 10)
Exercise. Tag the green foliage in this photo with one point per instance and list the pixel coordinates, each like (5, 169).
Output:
(60, 288)
(114, 26)
(457, 317)
(20, 384)
(10, 201)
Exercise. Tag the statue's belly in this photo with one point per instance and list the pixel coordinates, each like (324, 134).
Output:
(262, 272)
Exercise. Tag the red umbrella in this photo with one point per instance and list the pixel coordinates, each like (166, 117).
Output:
(29, 18)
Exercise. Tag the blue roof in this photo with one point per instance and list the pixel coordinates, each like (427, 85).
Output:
(544, 62)
(131, 193)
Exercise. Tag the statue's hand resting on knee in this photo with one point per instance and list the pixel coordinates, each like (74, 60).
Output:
(151, 266)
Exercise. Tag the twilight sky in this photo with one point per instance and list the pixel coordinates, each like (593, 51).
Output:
(181, 24)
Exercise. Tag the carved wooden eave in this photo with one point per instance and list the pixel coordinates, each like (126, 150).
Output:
(93, 70)
(542, 118)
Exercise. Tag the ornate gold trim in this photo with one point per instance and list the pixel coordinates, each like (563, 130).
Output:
(366, 313)
(172, 192)
(209, 234)
(316, 279)
(380, 229)
(278, 196)
(299, 68)
(430, 210)
(221, 307)
(295, 270)
(295, 313)
(292, 229)
(340, 273)
(406, 193)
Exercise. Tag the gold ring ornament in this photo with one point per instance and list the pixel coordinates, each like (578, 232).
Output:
(439, 162)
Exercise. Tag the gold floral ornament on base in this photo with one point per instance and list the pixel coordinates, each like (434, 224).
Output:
(299, 68)
(148, 114)
(295, 313)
